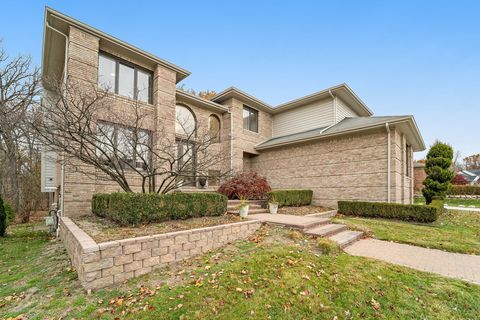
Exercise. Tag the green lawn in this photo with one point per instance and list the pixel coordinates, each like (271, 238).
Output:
(277, 275)
(454, 202)
(456, 231)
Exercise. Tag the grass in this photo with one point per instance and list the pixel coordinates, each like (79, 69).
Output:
(453, 202)
(455, 231)
(270, 276)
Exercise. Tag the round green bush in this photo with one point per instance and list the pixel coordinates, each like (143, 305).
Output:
(437, 167)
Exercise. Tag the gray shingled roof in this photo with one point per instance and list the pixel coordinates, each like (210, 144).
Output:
(345, 125)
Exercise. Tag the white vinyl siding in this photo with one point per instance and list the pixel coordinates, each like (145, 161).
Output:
(307, 117)
(48, 170)
(343, 111)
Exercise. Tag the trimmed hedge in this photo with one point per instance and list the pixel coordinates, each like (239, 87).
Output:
(464, 190)
(291, 197)
(136, 208)
(407, 212)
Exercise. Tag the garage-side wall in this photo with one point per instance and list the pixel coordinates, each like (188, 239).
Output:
(345, 168)
(402, 181)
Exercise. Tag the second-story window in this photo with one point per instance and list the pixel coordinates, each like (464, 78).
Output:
(123, 78)
(250, 119)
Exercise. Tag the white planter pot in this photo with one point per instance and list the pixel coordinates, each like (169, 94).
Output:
(273, 208)
(243, 211)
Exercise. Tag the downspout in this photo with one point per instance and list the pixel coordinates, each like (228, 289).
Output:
(64, 80)
(388, 163)
(334, 98)
(231, 139)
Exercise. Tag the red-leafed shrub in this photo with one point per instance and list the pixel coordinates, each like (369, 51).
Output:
(245, 186)
(459, 179)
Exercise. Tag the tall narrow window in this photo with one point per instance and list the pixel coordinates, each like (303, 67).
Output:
(106, 73)
(143, 85)
(214, 128)
(125, 142)
(126, 78)
(408, 160)
(105, 140)
(142, 153)
(185, 121)
(250, 119)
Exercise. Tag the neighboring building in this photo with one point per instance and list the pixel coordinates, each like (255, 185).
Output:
(419, 176)
(328, 141)
(471, 176)
(472, 162)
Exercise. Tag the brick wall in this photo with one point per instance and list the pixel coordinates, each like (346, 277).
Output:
(83, 69)
(347, 168)
(104, 264)
(245, 140)
(419, 176)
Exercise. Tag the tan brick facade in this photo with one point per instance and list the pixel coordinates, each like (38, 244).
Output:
(100, 265)
(352, 166)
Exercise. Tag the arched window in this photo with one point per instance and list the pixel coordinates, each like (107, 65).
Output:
(214, 128)
(185, 124)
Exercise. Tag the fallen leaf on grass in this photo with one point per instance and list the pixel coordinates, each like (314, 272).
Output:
(375, 304)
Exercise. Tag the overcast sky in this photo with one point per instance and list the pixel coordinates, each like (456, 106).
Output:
(400, 57)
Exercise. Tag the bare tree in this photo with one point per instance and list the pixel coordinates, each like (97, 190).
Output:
(19, 149)
(457, 164)
(95, 135)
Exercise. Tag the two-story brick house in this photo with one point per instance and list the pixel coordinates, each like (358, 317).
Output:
(328, 141)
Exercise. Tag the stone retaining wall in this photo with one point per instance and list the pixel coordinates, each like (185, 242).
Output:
(103, 264)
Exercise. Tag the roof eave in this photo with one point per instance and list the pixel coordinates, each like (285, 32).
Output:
(204, 102)
(361, 106)
(419, 147)
(233, 92)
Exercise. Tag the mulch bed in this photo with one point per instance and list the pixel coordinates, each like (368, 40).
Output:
(102, 230)
(302, 211)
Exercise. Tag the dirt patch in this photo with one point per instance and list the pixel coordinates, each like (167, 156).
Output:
(302, 211)
(102, 230)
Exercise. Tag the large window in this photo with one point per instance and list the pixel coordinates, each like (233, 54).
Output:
(126, 79)
(123, 144)
(250, 119)
(214, 128)
(185, 124)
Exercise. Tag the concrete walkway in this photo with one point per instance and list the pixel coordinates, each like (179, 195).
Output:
(454, 265)
(462, 208)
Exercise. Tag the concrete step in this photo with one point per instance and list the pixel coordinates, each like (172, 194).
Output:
(250, 211)
(326, 230)
(251, 206)
(346, 238)
(290, 221)
(236, 202)
(325, 214)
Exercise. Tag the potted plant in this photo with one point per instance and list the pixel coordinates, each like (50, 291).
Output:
(243, 208)
(203, 182)
(273, 206)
